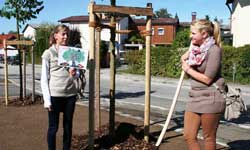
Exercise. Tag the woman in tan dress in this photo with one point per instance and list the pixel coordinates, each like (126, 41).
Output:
(202, 62)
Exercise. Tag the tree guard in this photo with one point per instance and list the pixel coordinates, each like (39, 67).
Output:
(17, 43)
(93, 24)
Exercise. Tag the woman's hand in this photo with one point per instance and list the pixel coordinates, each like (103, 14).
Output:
(184, 57)
(185, 66)
(49, 108)
(72, 72)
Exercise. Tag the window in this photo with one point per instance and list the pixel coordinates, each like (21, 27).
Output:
(160, 31)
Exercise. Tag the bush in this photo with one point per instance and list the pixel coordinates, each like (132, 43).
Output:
(135, 61)
(42, 40)
(182, 38)
(165, 61)
(236, 64)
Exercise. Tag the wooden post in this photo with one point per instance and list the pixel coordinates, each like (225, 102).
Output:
(6, 72)
(112, 74)
(148, 78)
(33, 73)
(91, 77)
(97, 76)
(24, 73)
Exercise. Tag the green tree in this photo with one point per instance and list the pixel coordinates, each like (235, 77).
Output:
(207, 17)
(182, 39)
(74, 37)
(162, 13)
(42, 39)
(12, 32)
(22, 11)
(176, 16)
(216, 19)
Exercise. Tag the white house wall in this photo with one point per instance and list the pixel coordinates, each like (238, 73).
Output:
(105, 33)
(240, 25)
(29, 33)
(123, 25)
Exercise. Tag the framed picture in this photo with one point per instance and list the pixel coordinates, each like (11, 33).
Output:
(72, 57)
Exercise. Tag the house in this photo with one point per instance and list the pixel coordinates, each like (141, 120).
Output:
(29, 31)
(10, 52)
(240, 23)
(82, 24)
(163, 29)
(7, 37)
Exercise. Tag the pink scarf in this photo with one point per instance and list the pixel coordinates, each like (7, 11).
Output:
(198, 53)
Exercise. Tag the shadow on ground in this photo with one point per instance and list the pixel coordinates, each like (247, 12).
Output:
(126, 136)
(122, 95)
(240, 145)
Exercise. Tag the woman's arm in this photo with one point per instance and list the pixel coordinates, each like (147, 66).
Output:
(195, 74)
(212, 67)
(45, 83)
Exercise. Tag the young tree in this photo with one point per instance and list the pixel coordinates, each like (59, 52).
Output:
(22, 11)
(112, 74)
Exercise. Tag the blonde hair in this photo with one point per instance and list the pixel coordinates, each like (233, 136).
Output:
(213, 29)
(57, 29)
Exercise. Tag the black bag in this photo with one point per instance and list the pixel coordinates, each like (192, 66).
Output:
(234, 103)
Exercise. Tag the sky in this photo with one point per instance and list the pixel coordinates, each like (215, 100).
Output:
(55, 10)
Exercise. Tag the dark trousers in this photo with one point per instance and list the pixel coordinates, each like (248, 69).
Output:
(66, 105)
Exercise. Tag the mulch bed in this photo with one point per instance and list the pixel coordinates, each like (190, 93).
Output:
(27, 101)
(127, 137)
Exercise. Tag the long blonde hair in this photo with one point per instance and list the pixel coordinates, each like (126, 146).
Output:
(212, 28)
(57, 29)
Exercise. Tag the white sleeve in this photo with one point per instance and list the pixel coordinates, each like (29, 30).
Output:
(45, 83)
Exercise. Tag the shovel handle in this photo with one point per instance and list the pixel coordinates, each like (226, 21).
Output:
(171, 110)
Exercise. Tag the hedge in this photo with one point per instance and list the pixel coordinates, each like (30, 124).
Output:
(165, 62)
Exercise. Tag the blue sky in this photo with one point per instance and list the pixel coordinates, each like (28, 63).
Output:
(57, 9)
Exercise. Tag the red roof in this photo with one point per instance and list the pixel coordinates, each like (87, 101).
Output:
(74, 19)
(7, 37)
(157, 21)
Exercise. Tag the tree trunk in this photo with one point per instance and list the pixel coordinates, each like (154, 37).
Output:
(20, 61)
(112, 75)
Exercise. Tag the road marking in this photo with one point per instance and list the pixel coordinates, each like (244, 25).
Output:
(237, 125)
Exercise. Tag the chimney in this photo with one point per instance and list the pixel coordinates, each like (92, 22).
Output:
(194, 16)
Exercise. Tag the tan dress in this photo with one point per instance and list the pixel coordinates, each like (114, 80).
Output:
(203, 98)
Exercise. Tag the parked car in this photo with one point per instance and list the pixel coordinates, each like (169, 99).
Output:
(13, 60)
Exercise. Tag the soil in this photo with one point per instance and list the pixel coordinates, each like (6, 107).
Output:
(127, 136)
(24, 127)
(16, 102)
